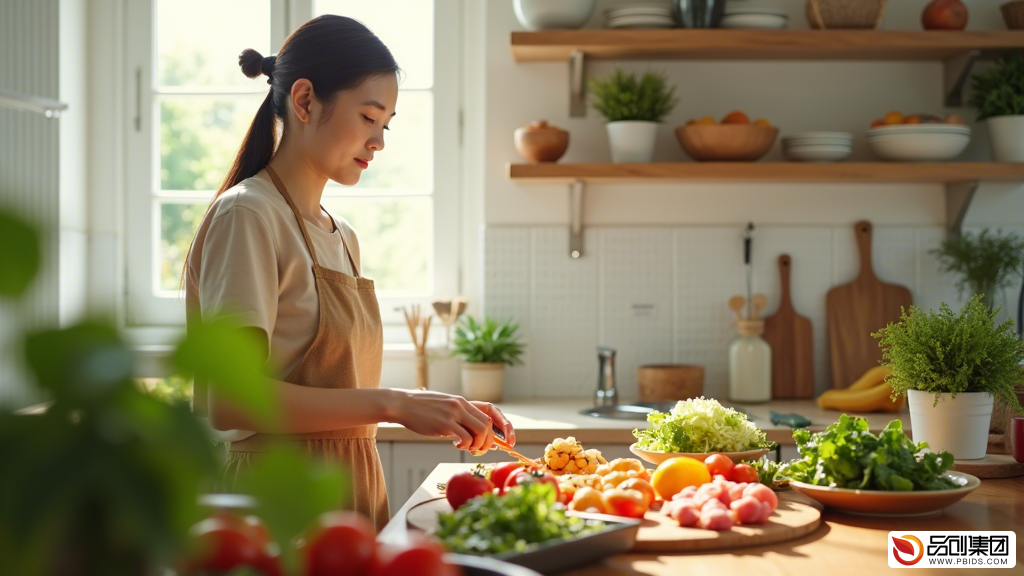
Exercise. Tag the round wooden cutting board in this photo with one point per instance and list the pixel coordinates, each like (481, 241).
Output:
(796, 516)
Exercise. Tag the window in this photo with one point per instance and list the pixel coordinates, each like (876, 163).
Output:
(191, 107)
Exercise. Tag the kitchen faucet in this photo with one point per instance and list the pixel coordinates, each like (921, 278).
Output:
(606, 394)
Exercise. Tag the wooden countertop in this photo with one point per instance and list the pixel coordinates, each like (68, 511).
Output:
(542, 420)
(843, 544)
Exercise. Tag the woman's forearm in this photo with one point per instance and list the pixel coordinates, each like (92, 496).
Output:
(305, 409)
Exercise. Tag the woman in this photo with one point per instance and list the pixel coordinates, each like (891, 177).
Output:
(289, 270)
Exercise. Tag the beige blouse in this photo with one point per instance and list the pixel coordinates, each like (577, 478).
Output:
(249, 262)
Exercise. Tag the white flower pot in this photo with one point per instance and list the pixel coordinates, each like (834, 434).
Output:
(1006, 136)
(955, 425)
(632, 140)
(483, 382)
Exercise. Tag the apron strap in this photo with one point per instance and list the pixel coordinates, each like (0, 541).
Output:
(302, 223)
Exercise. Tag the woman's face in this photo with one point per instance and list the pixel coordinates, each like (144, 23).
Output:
(345, 143)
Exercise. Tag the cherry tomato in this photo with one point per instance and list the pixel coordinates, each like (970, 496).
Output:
(719, 464)
(339, 544)
(743, 473)
(220, 545)
(501, 473)
(526, 476)
(422, 557)
(628, 503)
(640, 486)
(566, 495)
(466, 485)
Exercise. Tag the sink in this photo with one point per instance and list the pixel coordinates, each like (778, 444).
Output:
(634, 411)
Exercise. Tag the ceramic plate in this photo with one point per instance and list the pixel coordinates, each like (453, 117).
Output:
(887, 503)
(659, 457)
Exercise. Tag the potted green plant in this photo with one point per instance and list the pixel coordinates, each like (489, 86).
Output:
(998, 96)
(952, 366)
(486, 348)
(633, 108)
(986, 263)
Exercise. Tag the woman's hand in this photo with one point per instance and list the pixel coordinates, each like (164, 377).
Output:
(438, 414)
(499, 420)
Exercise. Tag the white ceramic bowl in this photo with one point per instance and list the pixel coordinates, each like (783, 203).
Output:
(754, 22)
(817, 142)
(920, 129)
(844, 136)
(547, 15)
(918, 147)
(817, 153)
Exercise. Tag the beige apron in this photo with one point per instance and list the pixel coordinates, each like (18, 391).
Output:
(346, 353)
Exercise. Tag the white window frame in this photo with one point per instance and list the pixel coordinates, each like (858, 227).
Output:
(142, 307)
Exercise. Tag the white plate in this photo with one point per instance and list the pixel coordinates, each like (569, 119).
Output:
(754, 22)
(730, 11)
(836, 135)
(638, 10)
(817, 153)
(639, 22)
(817, 141)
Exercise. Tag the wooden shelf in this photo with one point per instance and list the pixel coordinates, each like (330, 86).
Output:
(558, 45)
(760, 172)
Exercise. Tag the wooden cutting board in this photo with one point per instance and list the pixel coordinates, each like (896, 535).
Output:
(796, 516)
(991, 466)
(791, 338)
(855, 310)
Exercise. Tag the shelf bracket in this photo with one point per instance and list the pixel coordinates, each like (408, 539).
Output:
(577, 89)
(576, 219)
(956, 72)
(958, 201)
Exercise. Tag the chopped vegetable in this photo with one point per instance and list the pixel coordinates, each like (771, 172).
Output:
(525, 516)
(768, 472)
(700, 425)
(848, 455)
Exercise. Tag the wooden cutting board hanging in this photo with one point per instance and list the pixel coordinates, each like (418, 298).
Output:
(857, 309)
(791, 338)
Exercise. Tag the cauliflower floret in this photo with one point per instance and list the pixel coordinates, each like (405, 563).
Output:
(566, 456)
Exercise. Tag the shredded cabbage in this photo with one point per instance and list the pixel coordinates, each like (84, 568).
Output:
(700, 425)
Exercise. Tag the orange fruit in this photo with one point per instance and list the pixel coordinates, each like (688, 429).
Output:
(707, 120)
(736, 117)
(674, 474)
(690, 122)
(762, 122)
(914, 119)
(640, 486)
(954, 119)
(877, 123)
(893, 118)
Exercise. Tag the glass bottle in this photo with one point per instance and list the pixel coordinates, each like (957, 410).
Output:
(750, 364)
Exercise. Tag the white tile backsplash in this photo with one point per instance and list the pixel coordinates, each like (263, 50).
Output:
(658, 294)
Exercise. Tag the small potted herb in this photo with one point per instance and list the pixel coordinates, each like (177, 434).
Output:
(952, 367)
(998, 96)
(986, 263)
(633, 108)
(486, 348)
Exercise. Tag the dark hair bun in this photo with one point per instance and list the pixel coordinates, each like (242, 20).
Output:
(251, 62)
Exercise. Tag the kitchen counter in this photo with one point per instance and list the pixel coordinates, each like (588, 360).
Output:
(542, 420)
(843, 544)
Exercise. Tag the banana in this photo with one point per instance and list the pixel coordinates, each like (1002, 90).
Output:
(874, 399)
(871, 378)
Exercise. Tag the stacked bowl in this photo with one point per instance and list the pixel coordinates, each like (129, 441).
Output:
(919, 142)
(818, 146)
(648, 15)
(754, 18)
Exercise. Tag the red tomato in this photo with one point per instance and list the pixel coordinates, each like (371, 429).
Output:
(221, 546)
(525, 476)
(466, 485)
(566, 496)
(718, 464)
(269, 565)
(339, 544)
(501, 473)
(628, 503)
(422, 557)
(743, 473)
(641, 486)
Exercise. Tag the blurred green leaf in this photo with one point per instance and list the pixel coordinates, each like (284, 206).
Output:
(20, 257)
(229, 359)
(291, 491)
(84, 362)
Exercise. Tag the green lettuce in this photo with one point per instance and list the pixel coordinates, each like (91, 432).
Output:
(848, 455)
(700, 425)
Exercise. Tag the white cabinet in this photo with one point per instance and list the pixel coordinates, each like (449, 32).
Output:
(411, 462)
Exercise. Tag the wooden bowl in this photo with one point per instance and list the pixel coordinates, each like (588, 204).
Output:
(659, 457)
(1013, 14)
(540, 142)
(669, 382)
(890, 503)
(726, 142)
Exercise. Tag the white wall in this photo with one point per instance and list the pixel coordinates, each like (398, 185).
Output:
(677, 247)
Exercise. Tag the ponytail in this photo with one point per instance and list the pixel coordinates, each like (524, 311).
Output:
(257, 147)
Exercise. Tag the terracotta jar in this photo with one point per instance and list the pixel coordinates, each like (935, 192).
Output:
(541, 142)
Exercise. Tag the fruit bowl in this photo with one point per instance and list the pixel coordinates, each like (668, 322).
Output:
(726, 142)
(919, 142)
(659, 457)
